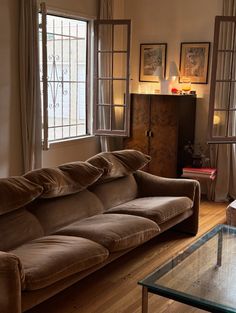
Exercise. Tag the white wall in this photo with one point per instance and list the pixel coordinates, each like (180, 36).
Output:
(82, 7)
(173, 22)
(70, 151)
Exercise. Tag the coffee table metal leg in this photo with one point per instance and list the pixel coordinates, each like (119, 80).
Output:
(144, 300)
(219, 250)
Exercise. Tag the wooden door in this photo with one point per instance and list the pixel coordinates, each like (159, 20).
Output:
(164, 135)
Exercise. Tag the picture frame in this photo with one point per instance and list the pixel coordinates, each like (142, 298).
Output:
(152, 56)
(194, 62)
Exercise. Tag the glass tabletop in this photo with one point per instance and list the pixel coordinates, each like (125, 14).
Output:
(203, 275)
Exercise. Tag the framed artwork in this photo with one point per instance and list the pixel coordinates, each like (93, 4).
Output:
(152, 60)
(194, 61)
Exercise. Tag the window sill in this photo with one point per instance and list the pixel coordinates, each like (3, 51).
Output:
(70, 142)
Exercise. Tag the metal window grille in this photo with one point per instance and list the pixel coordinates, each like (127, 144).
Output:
(63, 77)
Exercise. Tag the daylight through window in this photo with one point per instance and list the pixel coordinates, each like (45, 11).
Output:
(66, 62)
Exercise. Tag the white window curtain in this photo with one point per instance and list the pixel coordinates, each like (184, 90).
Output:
(224, 155)
(229, 8)
(106, 9)
(30, 103)
(105, 13)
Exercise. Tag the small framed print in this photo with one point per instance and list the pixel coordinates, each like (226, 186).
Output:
(152, 58)
(194, 62)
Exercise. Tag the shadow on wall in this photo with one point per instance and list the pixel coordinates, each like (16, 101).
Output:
(201, 124)
(71, 151)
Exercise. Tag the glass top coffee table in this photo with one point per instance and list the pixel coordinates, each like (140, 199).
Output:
(203, 275)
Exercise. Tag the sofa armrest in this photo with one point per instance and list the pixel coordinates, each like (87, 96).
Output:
(11, 278)
(153, 186)
(150, 186)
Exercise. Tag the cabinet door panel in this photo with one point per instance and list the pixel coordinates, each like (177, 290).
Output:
(170, 121)
(164, 140)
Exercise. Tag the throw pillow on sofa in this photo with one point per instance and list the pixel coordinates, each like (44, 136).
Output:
(101, 162)
(15, 192)
(120, 163)
(65, 179)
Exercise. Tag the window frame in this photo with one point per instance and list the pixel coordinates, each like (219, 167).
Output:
(88, 78)
(212, 109)
(112, 132)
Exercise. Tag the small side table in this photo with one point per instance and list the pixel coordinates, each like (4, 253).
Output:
(231, 213)
(206, 174)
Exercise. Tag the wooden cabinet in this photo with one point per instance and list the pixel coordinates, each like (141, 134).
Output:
(161, 126)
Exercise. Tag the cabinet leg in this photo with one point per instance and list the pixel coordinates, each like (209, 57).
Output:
(144, 300)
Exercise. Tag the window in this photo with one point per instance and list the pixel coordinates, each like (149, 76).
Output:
(111, 72)
(64, 77)
(222, 111)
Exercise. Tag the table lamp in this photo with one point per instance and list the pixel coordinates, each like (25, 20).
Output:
(164, 83)
(159, 72)
(173, 71)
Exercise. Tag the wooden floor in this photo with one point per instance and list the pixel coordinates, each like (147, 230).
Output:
(114, 288)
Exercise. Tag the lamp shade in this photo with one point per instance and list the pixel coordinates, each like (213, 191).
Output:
(216, 120)
(173, 70)
(159, 72)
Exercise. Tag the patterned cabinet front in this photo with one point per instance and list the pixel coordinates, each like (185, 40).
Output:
(161, 125)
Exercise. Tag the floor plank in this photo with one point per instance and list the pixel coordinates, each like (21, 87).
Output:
(114, 288)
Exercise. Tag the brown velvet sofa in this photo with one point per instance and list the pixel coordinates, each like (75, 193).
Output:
(58, 225)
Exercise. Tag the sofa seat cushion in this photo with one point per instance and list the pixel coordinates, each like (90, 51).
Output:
(158, 209)
(49, 259)
(114, 231)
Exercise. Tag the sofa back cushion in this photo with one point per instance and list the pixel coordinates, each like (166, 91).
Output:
(59, 212)
(119, 163)
(116, 192)
(100, 161)
(15, 192)
(66, 179)
(18, 227)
